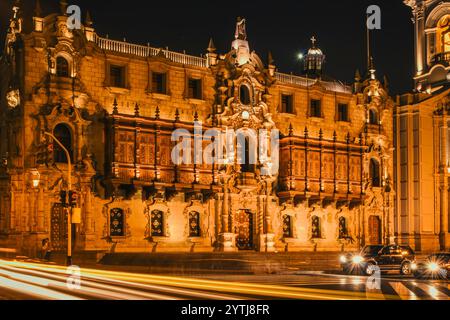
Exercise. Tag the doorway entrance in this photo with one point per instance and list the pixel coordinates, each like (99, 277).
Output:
(375, 230)
(244, 230)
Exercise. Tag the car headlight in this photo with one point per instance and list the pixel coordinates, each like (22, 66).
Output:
(343, 259)
(357, 259)
(433, 267)
(414, 266)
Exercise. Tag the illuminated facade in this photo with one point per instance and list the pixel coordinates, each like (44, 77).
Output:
(422, 135)
(114, 106)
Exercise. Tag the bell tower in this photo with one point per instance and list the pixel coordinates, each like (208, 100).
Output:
(431, 21)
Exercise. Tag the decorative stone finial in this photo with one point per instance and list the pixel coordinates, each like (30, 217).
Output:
(88, 22)
(291, 130)
(115, 109)
(211, 46)
(357, 75)
(270, 60)
(177, 115)
(196, 116)
(157, 113)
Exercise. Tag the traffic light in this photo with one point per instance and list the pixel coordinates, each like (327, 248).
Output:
(63, 198)
(73, 199)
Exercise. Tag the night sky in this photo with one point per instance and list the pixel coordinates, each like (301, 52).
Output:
(283, 27)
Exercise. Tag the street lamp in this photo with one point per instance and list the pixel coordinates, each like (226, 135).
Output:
(35, 178)
(68, 208)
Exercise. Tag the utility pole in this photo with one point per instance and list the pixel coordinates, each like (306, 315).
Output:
(68, 208)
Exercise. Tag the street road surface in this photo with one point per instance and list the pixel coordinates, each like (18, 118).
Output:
(26, 280)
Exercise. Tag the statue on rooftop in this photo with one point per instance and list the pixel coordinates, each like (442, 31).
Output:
(241, 33)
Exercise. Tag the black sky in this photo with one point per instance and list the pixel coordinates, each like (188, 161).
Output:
(281, 26)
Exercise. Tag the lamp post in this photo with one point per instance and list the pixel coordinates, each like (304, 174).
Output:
(68, 209)
(35, 178)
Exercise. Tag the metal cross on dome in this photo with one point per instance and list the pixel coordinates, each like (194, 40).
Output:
(313, 40)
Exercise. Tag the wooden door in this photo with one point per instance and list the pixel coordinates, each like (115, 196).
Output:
(375, 230)
(244, 230)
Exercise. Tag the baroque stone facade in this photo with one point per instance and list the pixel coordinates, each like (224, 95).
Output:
(421, 135)
(114, 106)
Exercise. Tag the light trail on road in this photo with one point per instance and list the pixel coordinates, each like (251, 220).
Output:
(26, 278)
(177, 286)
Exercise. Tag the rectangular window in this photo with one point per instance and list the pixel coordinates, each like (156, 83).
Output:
(117, 76)
(195, 89)
(316, 108)
(157, 223)
(194, 224)
(287, 226)
(343, 112)
(287, 104)
(116, 223)
(159, 84)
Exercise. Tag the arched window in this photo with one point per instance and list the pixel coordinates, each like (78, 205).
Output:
(244, 95)
(343, 229)
(116, 223)
(287, 226)
(248, 166)
(375, 173)
(316, 228)
(157, 223)
(62, 67)
(373, 117)
(64, 135)
(194, 224)
(443, 35)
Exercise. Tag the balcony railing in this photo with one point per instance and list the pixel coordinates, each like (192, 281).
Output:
(334, 86)
(147, 51)
(443, 57)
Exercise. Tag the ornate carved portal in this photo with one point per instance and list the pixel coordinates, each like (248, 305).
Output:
(375, 230)
(244, 230)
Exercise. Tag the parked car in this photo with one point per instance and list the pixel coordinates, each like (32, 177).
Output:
(437, 266)
(387, 258)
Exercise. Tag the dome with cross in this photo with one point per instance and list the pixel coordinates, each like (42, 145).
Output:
(314, 59)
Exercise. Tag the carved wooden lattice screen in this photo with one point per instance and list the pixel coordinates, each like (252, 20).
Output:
(58, 228)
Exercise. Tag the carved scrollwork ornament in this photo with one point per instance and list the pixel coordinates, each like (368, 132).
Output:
(13, 98)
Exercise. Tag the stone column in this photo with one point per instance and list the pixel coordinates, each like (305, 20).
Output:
(87, 210)
(225, 211)
(12, 215)
(40, 211)
(269, 236)
(443, 219)
(227, 239)
(419, 24)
